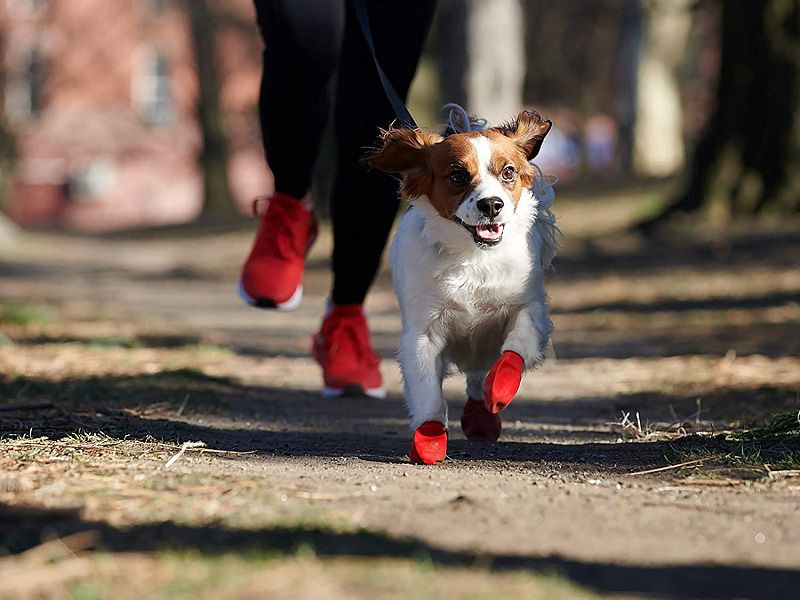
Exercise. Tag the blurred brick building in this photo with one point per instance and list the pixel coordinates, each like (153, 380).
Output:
(101, 97)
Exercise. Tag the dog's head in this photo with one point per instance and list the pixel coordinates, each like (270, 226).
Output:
(474, 179)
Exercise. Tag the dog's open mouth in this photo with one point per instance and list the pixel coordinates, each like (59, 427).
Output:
(484, 234)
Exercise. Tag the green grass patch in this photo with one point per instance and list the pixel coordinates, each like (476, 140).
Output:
(748, 454)
(24, 313)
(786, 424)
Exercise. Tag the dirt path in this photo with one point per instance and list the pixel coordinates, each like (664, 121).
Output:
(140, 345)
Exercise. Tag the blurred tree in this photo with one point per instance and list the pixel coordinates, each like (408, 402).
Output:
(482, 56)
(217, 201)
(658, 146)
(748, 159)
(7, 153)
(581, 63)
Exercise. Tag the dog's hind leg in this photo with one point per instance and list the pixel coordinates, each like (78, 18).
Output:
(477, 423)
(423, 370)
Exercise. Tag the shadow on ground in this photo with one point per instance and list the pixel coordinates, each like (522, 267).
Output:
(23, 527)
(186, 405)
(588, 260)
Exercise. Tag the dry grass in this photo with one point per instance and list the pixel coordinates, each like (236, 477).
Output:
(632, 429)
(770, 452)
(766, 452)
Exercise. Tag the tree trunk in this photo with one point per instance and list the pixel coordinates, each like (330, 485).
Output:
(482, 54)
(748, 160)
(7, 142)
(658, 147)
(217, 200)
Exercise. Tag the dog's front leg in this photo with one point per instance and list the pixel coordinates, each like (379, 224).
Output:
(528, 335)
(423, 370)
(522, 348)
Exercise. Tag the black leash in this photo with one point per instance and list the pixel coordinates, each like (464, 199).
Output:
(404, 117)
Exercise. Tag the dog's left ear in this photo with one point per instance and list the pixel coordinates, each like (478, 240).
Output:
(528, 130)
(402, 150)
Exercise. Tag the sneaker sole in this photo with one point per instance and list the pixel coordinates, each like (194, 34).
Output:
(292, 303)
(354, 390)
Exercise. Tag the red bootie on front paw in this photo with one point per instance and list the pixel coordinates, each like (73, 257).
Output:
(478, 424)
(502, 382)
(429, 445)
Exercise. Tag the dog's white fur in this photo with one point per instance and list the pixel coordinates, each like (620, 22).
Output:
(463, 305)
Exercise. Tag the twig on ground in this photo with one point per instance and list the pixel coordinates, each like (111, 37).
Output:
(179, 412)
(783, 473)
(677, 466)
(184, 447)
(327, 496)
(202, 449)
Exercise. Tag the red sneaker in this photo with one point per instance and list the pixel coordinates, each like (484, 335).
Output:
(272, 276)
(343, 350)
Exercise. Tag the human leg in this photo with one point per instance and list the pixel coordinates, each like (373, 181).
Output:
(303, 42)
(364, 203)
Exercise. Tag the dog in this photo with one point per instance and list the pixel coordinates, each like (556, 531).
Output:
(468, 262)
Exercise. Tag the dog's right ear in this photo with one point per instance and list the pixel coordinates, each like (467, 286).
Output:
(401, 150)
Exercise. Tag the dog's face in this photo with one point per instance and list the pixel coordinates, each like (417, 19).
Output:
(473, 179)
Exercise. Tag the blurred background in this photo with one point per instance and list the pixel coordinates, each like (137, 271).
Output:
(139, 113)
(130, 152)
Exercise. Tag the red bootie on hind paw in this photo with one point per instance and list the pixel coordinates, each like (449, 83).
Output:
(429, 445)
(502, 382)
(478, 424)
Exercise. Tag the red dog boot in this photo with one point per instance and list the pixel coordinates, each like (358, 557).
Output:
(502, 382)
(478, 424)
(429, 445)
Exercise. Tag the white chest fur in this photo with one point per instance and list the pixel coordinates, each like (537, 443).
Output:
(464, 297)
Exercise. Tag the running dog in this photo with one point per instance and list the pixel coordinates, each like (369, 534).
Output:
(468, 266)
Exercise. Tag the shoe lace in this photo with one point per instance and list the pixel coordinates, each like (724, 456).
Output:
(350, 335)
(277, 235)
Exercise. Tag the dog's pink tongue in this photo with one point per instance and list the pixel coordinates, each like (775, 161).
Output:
(488, 232)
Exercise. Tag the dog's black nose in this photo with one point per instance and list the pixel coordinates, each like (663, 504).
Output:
(490, 207)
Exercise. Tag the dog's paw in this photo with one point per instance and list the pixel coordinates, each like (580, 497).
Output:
(478, 424)
(429, 445)
(502, 382)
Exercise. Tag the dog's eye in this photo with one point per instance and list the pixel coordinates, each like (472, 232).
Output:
(508, 173)
(458, 177)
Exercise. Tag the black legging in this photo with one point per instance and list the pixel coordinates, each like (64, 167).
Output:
(307, 42)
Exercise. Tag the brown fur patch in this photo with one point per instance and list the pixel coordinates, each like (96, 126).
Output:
(402, 149)
(507, 152)
(454, 153)
(528, 130)
(428, 161)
